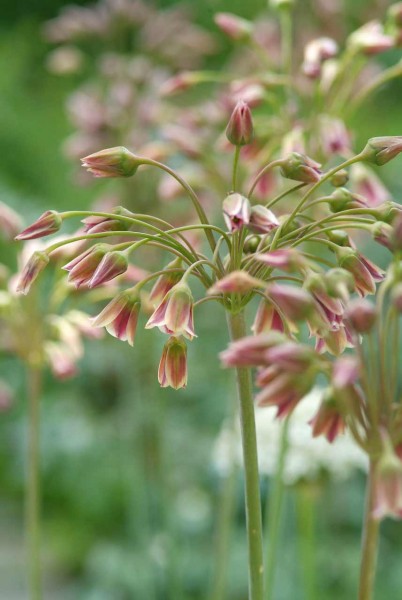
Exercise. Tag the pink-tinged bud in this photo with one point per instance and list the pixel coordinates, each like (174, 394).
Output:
(316, 285)
(382, 233)
(267, 318)
(262, 220)
(388, 486)
(235, 27)
(240, 127)
(340, 178)
(396, 297)
(112, 264)
(48, 223)
(236, 211)
(315, 53)
(361, 315)
(343, 199)
(173, 365)
(10, 221)
(339, 237)
(120, 316)
(291, 357)
(251, 350)
(366, 183)
(339, 283)
(284, 391)
(345, 372)
(365, 273)
(82, 267)
(300, 168)
(34, 266)
(289, 260)
(370, 39)
(380, 150)
(295, 303)
(97, 224)
(239, 282)
(174, 315)
(328, 421)
(112, 162)
(165, 282)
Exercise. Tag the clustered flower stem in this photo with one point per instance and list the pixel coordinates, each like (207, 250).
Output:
(371, 528)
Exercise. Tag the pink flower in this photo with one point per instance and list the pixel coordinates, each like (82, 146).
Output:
(112, 264)
(361, 315)
(120, 316)
(240, 127)
(174, 315)
(380, 150)
(328, 421)
(48, 223)
(365, 273)
(367, 184)
(173, 364)
(300, 168)
(262, 220)
(112, 162)
(345, 372)
(236, 211)
(165, 282)
(315, 53)
(388, 486)
(287, 259)
(235, 27)
(239, 282)
(295, 303)
(34, 266)
(267, 318)
(251, 350)
(10, 221)
(281, 389)
(82, 267)
(370, 39)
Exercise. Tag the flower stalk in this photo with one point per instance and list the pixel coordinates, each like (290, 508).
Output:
(369, 548)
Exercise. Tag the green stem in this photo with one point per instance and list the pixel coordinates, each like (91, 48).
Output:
(274, 510)
(305, 514)
(34, 376)
(237, 328)
(370, 536)
(235, 167)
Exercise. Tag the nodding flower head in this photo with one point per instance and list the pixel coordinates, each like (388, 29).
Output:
(174, 315)
(48, 223)
(236, 211)
(30, 272)
(328, 420)
(172, 370)
(300, 168)
(120, 316)
(112, 162)
(380, 150)
(365, 273)
(166, 281)
(240, 127)
(114, 263)
(82, 267)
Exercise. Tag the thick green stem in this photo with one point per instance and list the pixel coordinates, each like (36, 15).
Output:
(306, 536)
(370, 536)
(237, 328)
(273, 518)
(33, 484)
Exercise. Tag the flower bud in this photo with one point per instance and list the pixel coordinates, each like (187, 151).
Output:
(300, 168)
(172, 370)
(328, 420)
(267, 318)
(112, 162)
(262, 220)
(34, 266)
(251, 350)
(315, 53)
(48, 223)
(236, 211)
(388, 486)
(291, 356)
(340, 178)
(239, 282)
(295, 303)
(112, 264)
(366, 183)
(338, 237)
(239, 131)
(288, 259)
(120, 316)
(365, 273)
(382, 233)
(370, 39)
(235, 27)
(251, 244)
(343, 199)
(345, 372)
(82, 267)
(317, 286)
(339, 283)
(361, 315)
(380, 150)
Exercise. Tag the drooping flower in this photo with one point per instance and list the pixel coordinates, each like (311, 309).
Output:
(315, 53)
(166, 281)
(10, 221)
(235, 27)
(30, 272)
(112, 264)
(174, 315)
(361, 315)
(251, 350)
(120, 316)
(300, 168)
(370, 39)
(172, 370)
(388, 486)
(239, 282)
(380, 150)
(295, 303)
(267, 318)
(112, 162)
(82, 267)
(48, 223)
(328, 420)
(365, 273)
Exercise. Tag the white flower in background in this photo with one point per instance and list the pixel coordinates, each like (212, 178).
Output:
(307, 457)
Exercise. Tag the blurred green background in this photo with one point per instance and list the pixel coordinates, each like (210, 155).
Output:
(129, 491)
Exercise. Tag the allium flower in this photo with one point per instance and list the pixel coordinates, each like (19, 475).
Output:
(235, 27)
(345, 372)
(174, 315)
(112, 162)
(240, 127)
(335, 138)
(48, 223)
(370, 39)
(315, 53)
(287, 259)
(361, 315)
(300, 168)
(380, 150)
(82, 268)
(96, 224)
(61, 360)
(343, 199)
(295, 303)
(365, 273)
(173, 364)
(120, 316)
(236, 211)
(328, 421)
(34, 266)
(267, 318)
(388, 486)
(282, 389)
(165, 282)
(251, 350)
(262, 220)
(112, 264)
(236, 282)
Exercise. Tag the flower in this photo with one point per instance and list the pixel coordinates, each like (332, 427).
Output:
(34, 266)
(112, 162)
(300, 168)
(174, 315)
(262, 220)
(251, 350)
(235, 27)
(315, 53)
(267, 318)
(365, 273)
(112, 264)
(295, 303)
(328, 420)
(239, 282)
(82, 267)
(48, 223)
(366, 183)
(380, 150)
(370, 39)
(388, 486)
(166, 281)
(173, 364)
(236, 211)
(287, 259)
(240, 127)
(120, 316)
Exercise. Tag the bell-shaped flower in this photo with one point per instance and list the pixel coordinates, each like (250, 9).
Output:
(251, 350)
(365, 273)
(236, 211)
(388, 486)
(172, 370)
(30, 272)
(166, 281)
(361, 315)
(120, 316)
(48, 223)
(114, 263)
(262, 220)
(10, 221)
(300, 168)
(328, 420)
(267, 318)
(82, 267)
(174, 315)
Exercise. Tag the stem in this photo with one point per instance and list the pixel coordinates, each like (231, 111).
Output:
(305, 513)
(235, 167)
(371, 528)
(273, 519)
(34, 377)
(237, 328)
